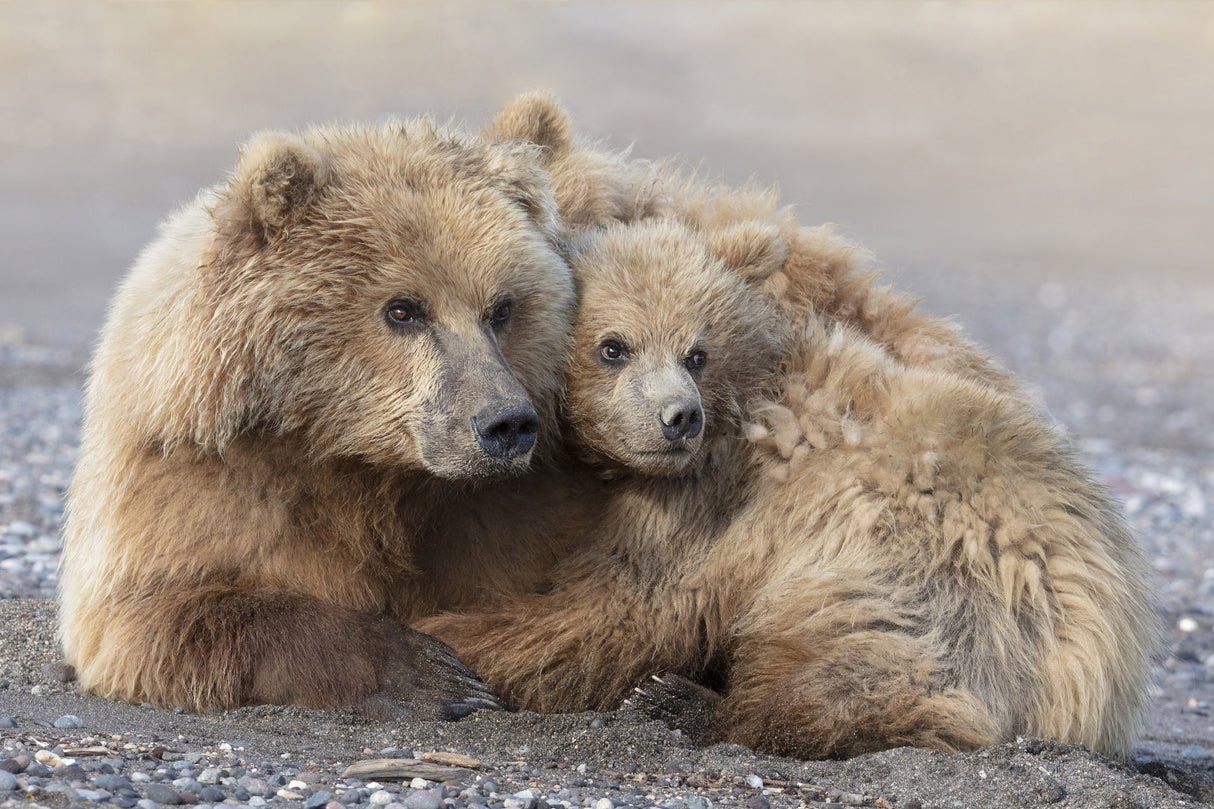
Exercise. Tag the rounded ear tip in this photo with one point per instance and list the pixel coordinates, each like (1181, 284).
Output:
(754, 248)
(536, 117)
(279, 172)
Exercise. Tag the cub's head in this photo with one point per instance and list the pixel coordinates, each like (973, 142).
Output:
(673, 335)
(393, 294)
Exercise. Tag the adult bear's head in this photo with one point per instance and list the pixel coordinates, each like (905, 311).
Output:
(392, 294)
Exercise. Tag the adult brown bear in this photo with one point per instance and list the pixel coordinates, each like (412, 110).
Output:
(297, 386)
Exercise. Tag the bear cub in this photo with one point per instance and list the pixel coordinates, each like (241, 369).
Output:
(854, 552)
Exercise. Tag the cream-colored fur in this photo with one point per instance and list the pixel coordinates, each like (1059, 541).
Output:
(858, 552)
(281, 446)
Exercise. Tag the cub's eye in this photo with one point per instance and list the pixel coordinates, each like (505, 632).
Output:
(612, 351)
(696, 360)
(404, 312)
(501, 314)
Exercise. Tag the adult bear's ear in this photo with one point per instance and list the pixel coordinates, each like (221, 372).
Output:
(516, 169)
(755, 249)
(534, 117)
(274, 184)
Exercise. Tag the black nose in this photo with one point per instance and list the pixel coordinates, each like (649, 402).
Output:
(506, 432)
(681, 419)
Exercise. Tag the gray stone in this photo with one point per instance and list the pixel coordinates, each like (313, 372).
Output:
(255, 786)
(211, 794)
(318, 799)
(424, 800)
(162, 794)
(69, 721)
(8, 781)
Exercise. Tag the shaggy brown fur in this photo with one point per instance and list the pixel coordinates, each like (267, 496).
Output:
(638, 594)
(596, 187)
(901, 556)
(297, 386)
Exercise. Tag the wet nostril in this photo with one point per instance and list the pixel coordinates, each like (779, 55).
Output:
(506, 432)
(681, 419)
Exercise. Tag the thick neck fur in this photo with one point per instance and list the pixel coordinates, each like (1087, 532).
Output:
(662, 527)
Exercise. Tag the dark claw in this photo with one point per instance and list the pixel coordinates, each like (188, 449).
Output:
(458, 710)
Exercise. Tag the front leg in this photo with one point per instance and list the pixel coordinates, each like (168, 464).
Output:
(220, 647)
(580, 648)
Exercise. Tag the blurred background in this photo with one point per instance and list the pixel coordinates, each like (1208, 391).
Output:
(1043, 171)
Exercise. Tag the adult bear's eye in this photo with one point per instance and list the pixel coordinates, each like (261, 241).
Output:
(501, 314)
(696, 360)
(612, 351)
(404, 312)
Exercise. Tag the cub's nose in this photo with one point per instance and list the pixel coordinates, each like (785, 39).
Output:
(681, 419)
(506, 431)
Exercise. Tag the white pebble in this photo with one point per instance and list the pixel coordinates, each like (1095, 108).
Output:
(754, 782)
(1186, 625)
(380, 798)
(419, 783)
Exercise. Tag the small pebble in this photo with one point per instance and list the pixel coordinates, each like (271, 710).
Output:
(49, 759)
(69, 721)
(111, 782)
(163, 794)
(318, 799)
(8, 781)
(425, 800)
(211, 794)
(380, 798)
(1195, 751)
(7, 722)
(754, 782)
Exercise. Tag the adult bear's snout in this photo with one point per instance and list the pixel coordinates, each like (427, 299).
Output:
(506, 431)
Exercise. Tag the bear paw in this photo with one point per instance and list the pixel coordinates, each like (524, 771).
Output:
(424, 680)
(678, 703)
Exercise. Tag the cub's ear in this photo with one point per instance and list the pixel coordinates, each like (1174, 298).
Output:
(276, 180)
(534, 117)
(755, 249)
